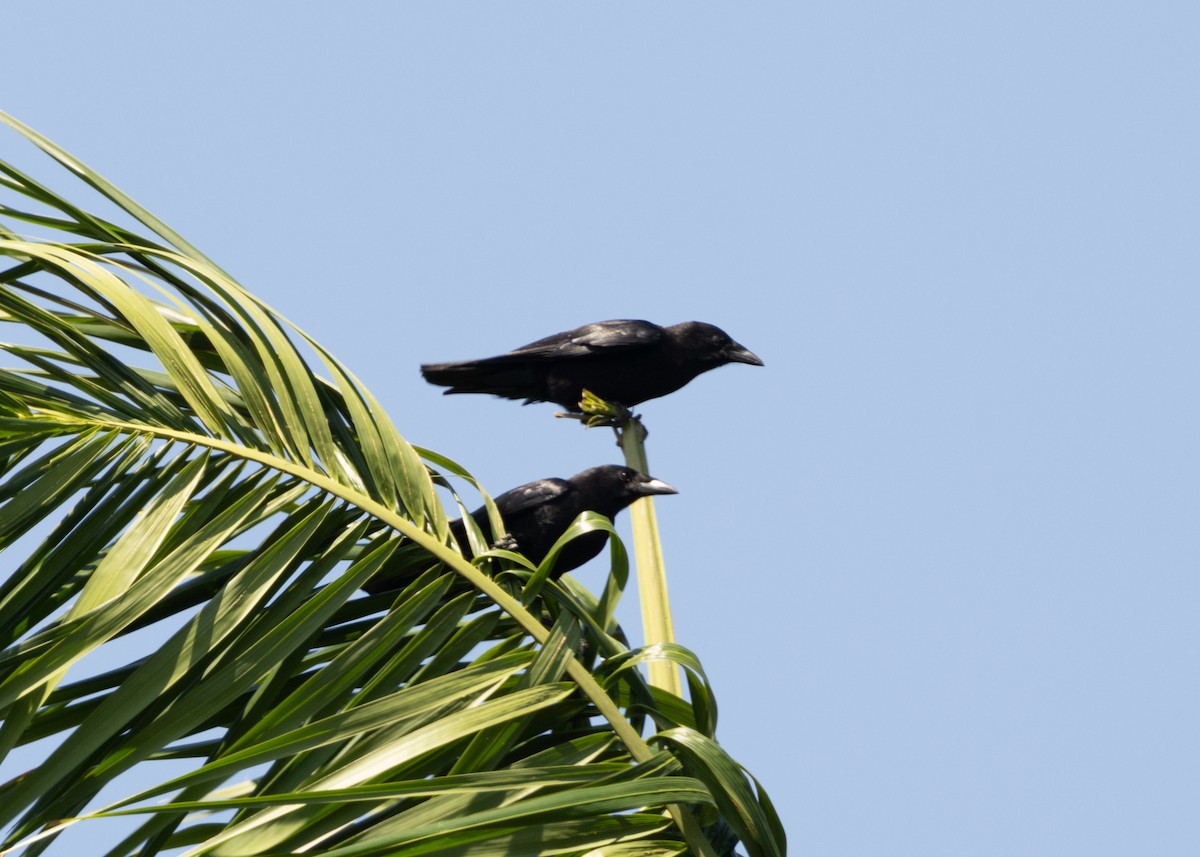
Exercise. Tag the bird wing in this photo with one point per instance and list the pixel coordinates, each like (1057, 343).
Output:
(531, 495)
(615, 335)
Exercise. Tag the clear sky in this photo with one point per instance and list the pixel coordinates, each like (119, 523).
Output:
(939, 555)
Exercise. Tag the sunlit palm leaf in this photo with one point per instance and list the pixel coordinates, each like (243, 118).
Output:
(173, 465)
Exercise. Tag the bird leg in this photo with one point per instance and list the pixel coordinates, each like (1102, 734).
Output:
(594, 421)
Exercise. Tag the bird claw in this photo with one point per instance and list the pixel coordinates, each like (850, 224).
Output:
(505, 543)
(596, 420)
(595, 412)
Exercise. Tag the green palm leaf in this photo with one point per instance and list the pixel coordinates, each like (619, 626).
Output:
(173, 464)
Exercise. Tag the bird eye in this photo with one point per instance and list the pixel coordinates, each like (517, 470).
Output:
(625, 475)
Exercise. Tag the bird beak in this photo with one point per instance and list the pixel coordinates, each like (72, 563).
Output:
(740, 354)
(655, 486)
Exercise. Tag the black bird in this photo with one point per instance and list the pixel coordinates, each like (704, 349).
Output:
(537, 513)
(625, 361)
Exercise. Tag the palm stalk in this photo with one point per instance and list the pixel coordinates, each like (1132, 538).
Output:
(658, 628)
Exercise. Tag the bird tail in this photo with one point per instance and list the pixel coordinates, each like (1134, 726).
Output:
(500, 378)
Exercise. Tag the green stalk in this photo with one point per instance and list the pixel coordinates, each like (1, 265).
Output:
(657, 626)
(651, 572)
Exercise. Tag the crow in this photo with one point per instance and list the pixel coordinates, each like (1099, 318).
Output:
(537, 513)
(624, 361)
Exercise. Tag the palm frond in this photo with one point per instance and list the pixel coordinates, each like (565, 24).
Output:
(173, 468)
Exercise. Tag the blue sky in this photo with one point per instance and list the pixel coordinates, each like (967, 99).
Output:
(939, 555)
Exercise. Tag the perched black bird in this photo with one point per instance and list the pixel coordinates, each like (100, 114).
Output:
(624, 361)
(537, 513)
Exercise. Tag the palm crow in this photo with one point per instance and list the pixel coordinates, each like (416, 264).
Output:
(624, 361)
(537, 513)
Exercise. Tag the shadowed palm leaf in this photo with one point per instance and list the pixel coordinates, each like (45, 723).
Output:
(175, 470)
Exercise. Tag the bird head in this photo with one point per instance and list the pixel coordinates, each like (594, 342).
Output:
(615, 486)
(715, 345)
